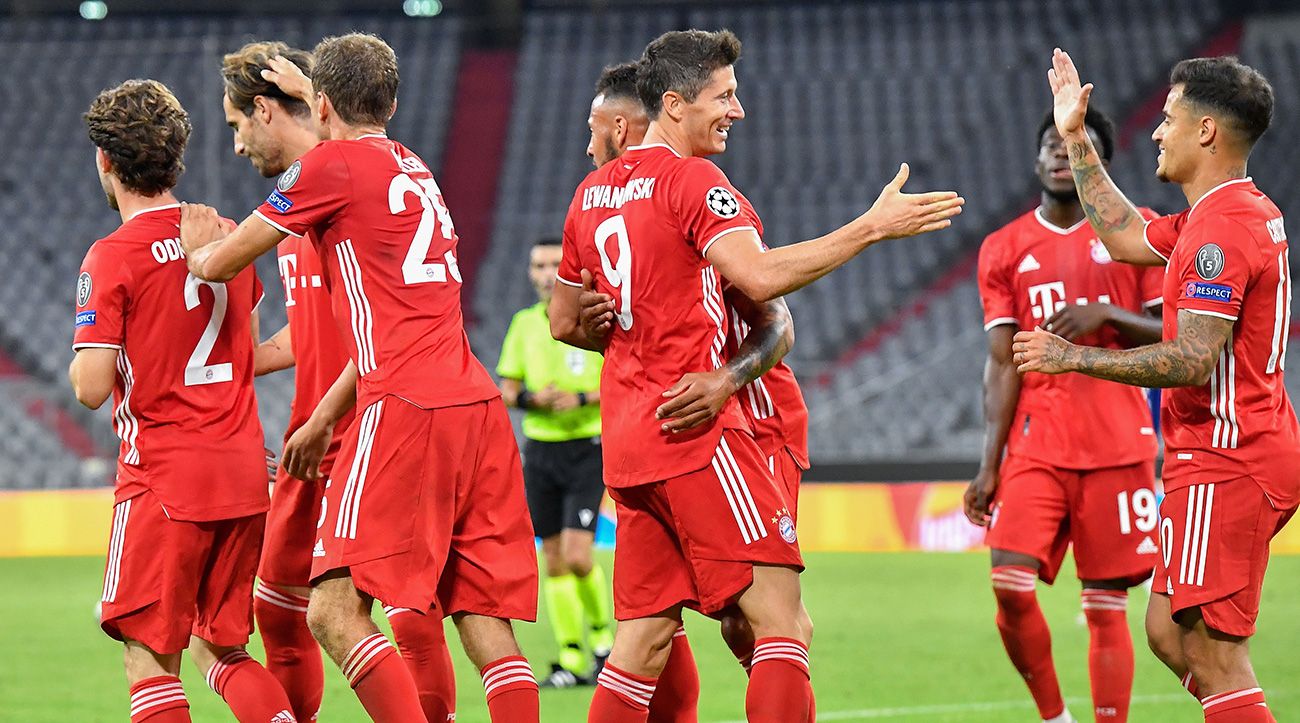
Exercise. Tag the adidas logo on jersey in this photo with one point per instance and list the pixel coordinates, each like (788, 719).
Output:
(318, 550)
(1147, 547)
(1029, 263)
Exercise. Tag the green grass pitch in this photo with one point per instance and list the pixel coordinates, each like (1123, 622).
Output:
(906, 637)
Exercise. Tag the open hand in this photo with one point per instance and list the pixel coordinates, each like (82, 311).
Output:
(289, 78)
(695, 399)
(896, 214)
(1069, 98)
(595, 310)
(1039, 351)
(200, 226)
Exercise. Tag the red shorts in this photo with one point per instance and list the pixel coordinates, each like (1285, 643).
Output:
(1214, 550)
(694, 539)
(290, 530)
(167, 579)
(1109, 514)
(788, 475)
(427, 506)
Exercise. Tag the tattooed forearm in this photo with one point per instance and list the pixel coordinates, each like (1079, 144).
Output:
(770, 336)
(1184, 361)
(1106, 208)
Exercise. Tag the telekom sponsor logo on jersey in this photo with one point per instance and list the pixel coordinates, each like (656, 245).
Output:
(605, 196)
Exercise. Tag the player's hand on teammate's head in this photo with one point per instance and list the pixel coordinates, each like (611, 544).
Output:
(896, 214)
(200, 226)
(1039, 351)
(977, 502)
(1069, 97)
(695, 399)
(289, 78)
(595, 310)
(1073, 322)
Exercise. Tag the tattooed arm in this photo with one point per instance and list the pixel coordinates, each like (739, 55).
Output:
(1184, 361)
(1115, 219)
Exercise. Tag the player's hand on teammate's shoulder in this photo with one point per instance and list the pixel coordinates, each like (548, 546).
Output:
(695, 399)
(1069, 96)
(897, 214)
(1073, 322)
(289, 78)
(200, 226)
(1039, 351)
(595, 310)
(978, 498)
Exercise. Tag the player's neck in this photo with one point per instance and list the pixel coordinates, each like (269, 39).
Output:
(1060, 213)
(673, 136)
(130, 204)
(1210, 175)
(342, 132)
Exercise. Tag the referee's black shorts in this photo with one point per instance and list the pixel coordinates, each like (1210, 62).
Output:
(564, 482)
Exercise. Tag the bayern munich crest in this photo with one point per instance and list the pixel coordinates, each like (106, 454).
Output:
(722, 202)
(1099, 253)
(83, 288)
(786, 528)
(289, 177)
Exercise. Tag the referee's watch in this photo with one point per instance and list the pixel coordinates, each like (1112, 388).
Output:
(582, 399)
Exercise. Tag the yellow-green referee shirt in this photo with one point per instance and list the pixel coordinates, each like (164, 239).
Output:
(532, 356)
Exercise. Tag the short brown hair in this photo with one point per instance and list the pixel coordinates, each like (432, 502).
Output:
(242, 73)
(682, 61)
(1234, 91)
(358, 72)
(142, 128)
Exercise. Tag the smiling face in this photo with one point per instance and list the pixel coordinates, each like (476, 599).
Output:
(1178, 138)
(708, 119)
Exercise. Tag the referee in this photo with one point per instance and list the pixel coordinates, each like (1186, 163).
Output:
(558, 386)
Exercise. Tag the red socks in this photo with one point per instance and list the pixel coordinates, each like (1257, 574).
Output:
(253, 694)
(1237, 706)
(780, 690)
(677, 695)
(621, 697)
(511, 690)
(423, 645)
(1026, 637)
(1110, 652)
(292, 654)
(382, 682)
(159, 700)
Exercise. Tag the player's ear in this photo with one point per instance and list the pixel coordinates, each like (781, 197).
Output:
(102, 161)
(324, 109)
(1208, 130)
(262, 108)
(393, 112)
(620, 131)
(673, 104)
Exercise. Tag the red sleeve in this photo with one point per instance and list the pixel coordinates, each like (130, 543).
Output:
(1151, 284)
(309, 193)
(1161, 233)
(103, 293)
(706, 204)
(570, 271)
(1219, 262)
(997, 293)
(259, 292)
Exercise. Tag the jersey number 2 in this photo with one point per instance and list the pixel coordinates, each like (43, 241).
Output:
(415, 268)
(198, 371)
(619, 275)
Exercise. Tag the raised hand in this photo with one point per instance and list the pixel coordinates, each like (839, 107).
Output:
(289, 78)
(896, 214)
(1069, 98)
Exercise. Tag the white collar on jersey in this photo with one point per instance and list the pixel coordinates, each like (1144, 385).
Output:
(1038, 214)
(151, 209)
(654, 145)
(1225, 184)
(372, 135)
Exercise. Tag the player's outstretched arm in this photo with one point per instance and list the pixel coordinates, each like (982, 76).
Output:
(1115, 219)
(1001, 395)
(766, 275)
(92, 373)
(307, 446)
(274, 354)
(698, 397)
(1074, 321)
(1187, 360)
(215, 252)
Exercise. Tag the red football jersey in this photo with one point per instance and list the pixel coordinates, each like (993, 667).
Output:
(183, 400)
(1029, 270)
(773, 404)
(1228, 258)
(318, 350)
(641, 225)
(389, 246)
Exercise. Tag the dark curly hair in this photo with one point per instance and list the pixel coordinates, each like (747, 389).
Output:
(142, 128)
(358, 72)
(242, 73)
